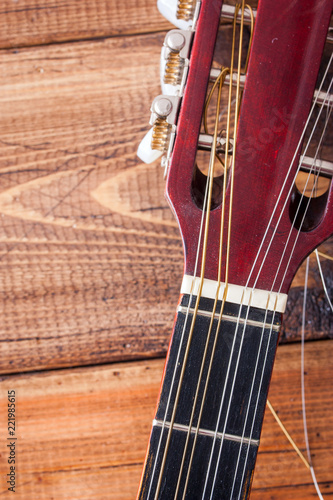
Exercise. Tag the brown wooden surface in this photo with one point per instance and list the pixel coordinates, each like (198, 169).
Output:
(91, 259)
(35, 22)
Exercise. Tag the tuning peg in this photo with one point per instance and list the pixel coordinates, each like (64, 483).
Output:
(181, 13)
(160, 137)
(145, 151)
(165, 107)
(175, 61)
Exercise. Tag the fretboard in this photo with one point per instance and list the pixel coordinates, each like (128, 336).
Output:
(204, 442)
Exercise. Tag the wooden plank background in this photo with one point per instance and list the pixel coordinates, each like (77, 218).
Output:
(91, 263)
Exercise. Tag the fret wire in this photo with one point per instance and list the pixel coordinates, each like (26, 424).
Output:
(231, 319)
(205, 432)
(208, 422)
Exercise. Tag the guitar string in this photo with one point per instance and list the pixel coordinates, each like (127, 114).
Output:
(311, 468)
(203, 262)
(272, 236)
(287, 197)
(314, 478)
(185, 325)
(306, 437)
(208, 337)
(320, 142)
(195, 312)
(302, 368)
(313, 107)
(322, 277)
(312, 169)
(202, 273)
(222, 76)
(182, 334)
(183, 329)
(304, 190)
(288, 436)
(329, 257)
(237, 100)
(193, 320)
(274, 315)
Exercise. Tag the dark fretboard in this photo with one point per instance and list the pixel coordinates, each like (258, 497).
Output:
(210, 450)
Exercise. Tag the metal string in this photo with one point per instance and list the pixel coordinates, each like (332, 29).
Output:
(221, 78)
(323, 280)
(209, 180)
(182, 335)
(284, 185)
(219, 275)
(219, 266)
(238, 95)
(206, 210)
(320, 141)
(315, 482)
(253, 289)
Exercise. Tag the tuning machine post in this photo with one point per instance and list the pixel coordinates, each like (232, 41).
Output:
(175, 61)
(184, 13)
(160, 138)
(181, 13)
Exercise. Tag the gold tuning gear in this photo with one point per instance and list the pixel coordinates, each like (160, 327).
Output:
(175, 56)
(185, 9)
(163, 119)
(161, 135)
(174, 68)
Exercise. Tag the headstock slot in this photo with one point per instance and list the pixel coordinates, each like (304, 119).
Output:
(228, 76)
(200, 179)
(307, 212)
(313, 182)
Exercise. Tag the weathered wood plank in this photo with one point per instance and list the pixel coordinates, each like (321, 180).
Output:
(26, 22)
(82, 433)
(90, 255)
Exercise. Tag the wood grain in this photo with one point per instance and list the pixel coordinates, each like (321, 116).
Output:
(27, 22)
(82, 433)
(40, 22)
(90, 255)
(91, 262)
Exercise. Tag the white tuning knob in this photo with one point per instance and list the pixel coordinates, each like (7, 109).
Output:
(145, 151)
(168, 9)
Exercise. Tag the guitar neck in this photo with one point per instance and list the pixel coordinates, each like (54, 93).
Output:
(206, 430)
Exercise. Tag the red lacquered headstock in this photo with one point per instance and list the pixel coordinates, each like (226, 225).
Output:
(265, 247)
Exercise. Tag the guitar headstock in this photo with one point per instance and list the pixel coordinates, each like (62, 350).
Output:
(269, 221)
